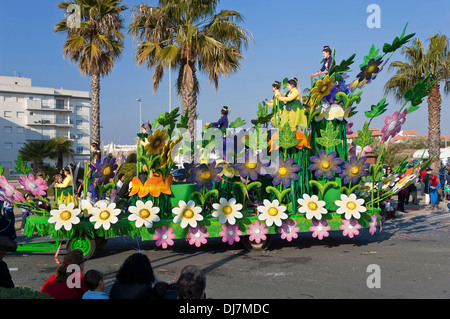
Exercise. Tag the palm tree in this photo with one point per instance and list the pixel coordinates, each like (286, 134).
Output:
(94, 45)
(36, 152)
(190, 35)
(419, 64)
(61, 146)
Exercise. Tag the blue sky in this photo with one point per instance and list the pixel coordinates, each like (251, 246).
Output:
(288, 36)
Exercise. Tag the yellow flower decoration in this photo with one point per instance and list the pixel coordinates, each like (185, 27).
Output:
(322, 88)
(166, 156)
(155, 142)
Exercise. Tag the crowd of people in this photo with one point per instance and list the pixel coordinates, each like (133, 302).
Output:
(134, 280)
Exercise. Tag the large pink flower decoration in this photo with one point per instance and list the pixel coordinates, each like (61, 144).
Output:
(35, 186)
(289, 230)
(257, 232)
(230, 233)
(393, 125)
(350, 227)
(164, 237)
(320, 228)
(10, 190)
(373, 224)
(197, 236)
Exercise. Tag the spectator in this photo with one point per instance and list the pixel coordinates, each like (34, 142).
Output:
(120, 181)
(426, 180)
(57, 286)
(434, 186)
(422, 184)
(25, 213)
(8, 211)
(96, 285)
(7, 244)
(191, 284)
(134, 279)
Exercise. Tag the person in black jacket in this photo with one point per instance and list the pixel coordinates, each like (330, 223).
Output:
(426, 180)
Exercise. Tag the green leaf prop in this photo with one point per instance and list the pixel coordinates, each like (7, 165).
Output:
(398, 42)
(263, 120)
(373, 54)
(348, 101)
(169, 120)
(345, 65)
(364, 137)
(400, 167)
(377, 110)
(2, 169)
(237, 123)
(323, 188)
(287, 137)
(329, 137)
(418, 93)
(257, 139)
(204, 198)
(21, 166)
(184, 120)
(279, 195)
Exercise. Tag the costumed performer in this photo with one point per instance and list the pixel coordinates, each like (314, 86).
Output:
(294, 114)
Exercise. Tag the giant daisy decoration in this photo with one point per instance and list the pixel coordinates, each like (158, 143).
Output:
(227, 211)
(272, 213)
(312, 207)
(104, 215)
(187, 214)
(351, 206)
(144, 214)
(65, 216)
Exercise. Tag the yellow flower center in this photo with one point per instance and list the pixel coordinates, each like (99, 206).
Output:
(206, 175)
(104, 215)
(66, 215)
(251, 165)
(371, 69)
(312, 206)
(144, 213)
(326, 164)
(227, 210)
(273, 211)
(282, 171)
(157, 143)
(354, 170)
(107, 171)
(188, 214)
(351, 205)
(323, 88)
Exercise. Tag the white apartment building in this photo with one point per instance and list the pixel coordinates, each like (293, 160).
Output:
(29, 113)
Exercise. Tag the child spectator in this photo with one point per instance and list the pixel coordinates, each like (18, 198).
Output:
(191, 284)
(95, 283)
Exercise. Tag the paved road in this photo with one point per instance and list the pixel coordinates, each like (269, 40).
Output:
(412, 253)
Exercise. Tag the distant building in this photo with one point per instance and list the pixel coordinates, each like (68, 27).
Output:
(29, 113)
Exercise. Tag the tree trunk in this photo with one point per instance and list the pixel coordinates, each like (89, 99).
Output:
(95, 109)
(434, 126)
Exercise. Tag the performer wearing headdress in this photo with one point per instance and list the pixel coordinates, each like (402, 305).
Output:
(294, 113)
(328, 62)
(276, 92)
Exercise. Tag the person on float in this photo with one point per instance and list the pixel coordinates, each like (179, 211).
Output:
(328, 63)
(223, 125)
(294, 114)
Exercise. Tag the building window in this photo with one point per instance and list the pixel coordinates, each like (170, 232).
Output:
(7, 129)
(20, 115)
(7, 114)
(79, 108)
(60, 104)
(79, 122)
(20, 130)
(80, 136)
(80, 150)
(7, 146)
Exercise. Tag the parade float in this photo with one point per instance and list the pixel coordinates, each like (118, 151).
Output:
(292, 172)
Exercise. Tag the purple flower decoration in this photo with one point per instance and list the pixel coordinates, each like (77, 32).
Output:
(205, 175)
(354, 169)
(373, 224)
(35, 186)
(289, 230)
(393, 125)
(105, 170)
(197, 236)
(325, 164)
(230, 233)
(257, 232)
(287, 172)
(320, 228)
(164, 237)
(348, 129)
(252, 167)
(350, 227)
(10, 190)
(370, 71)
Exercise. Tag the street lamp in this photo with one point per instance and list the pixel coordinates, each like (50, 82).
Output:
(140, 113)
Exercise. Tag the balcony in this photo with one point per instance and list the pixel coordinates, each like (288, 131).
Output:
(49, 106)
(39, 121)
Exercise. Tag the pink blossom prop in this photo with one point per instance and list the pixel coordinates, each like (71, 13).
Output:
(289, 230)
(373, 224)
(320, 228)
(197, 236)
(230, 233)
(164, 237)
(393, 125)
(35, 186)
(10, 190)
(257, 232)
(350, 227)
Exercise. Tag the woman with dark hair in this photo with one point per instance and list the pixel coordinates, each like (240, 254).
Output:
(57, 286)
(328, 62)
(223, 122)
(134, 280)
(276, 92)
(294, 113)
